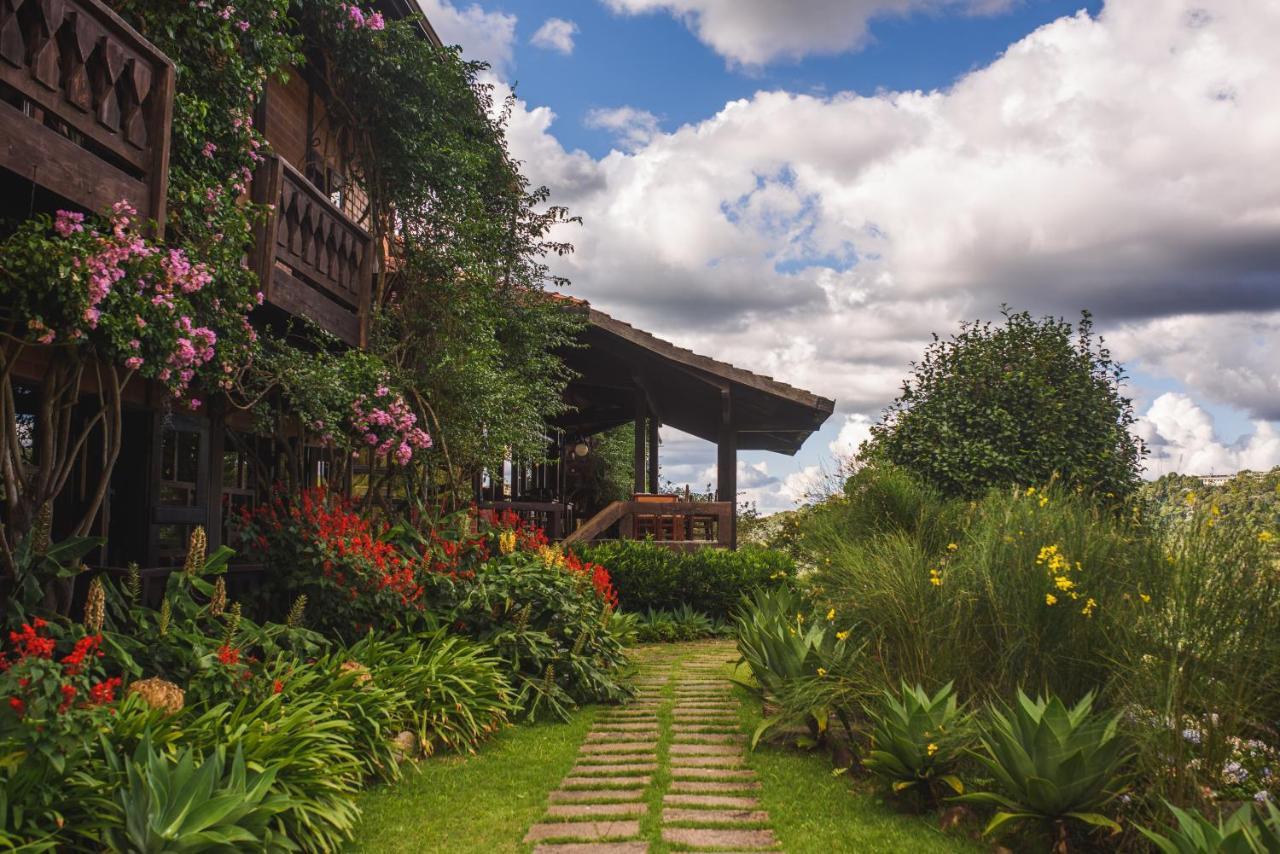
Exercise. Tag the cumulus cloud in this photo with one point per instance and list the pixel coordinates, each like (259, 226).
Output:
(1122, 163)
(753, 32)
(1182, 438)
(484, 36)
(632, 128)
(855, 430)
(555, 34)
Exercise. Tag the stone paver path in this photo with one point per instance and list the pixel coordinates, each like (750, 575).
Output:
(668, 765)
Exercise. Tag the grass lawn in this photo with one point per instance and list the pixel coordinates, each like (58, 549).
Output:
(482, 803)
(814, 812)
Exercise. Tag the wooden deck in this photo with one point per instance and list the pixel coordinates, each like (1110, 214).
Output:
(677, 525)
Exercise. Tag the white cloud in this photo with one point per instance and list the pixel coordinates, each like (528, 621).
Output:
(753, 32)
(484, 36)
(632, 128)
(855, 430)
(555, 34)
(1123, 163)
(1182, 438)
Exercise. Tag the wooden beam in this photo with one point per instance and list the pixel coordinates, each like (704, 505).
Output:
(654, 424)
(727, 465)
(638, 458)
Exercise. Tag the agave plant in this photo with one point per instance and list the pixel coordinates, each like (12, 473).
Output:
(782, 646)
(917, 739)
(1053, 765)
(189, 805)
(1239, 833)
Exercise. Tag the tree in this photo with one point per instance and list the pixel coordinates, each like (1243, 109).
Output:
(1014, 404)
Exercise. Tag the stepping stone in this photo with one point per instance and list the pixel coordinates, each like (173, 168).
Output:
(617, 758)
(712, 774)
(708, 738)
(705, 837)
(727, 801)
(615, 782)
(694, 787)
(594, 848)
(705, 750)
(684, 814)
(619, 747)
(704, 729)
(577, 796)
(734, 761)
(589, 810)
(605, 770)
(590, 830)
(613, 735)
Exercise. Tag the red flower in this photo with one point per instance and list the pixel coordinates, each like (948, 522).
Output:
(75, 659)
(228, 655)
(18, 706)
(104, 692)
(68, 697)
(277, 686)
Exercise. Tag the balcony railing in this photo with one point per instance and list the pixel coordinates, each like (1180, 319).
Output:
(676, 525)
(87, 104)
(313, 261)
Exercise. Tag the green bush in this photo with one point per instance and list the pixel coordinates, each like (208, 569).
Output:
(917, 740)
(650, 576)
(682, 624)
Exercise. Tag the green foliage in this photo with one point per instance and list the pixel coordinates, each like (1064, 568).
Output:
(456, 691)
(917, 739)
(1053, 765)
(1013, 405)
(681, 624)
(550, 626)
(1240, 833)
(648, 575)
(189, 804)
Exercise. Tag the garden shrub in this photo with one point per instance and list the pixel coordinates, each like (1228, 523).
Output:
(648, 575)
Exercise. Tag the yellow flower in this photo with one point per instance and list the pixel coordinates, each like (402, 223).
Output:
(935, 578)
(1215, 511)
(1191, 499)
(1063, 583)
(1031, 490)
(842, 635)
(831, 615)
(952, 547)
(822, 671)
(1050, 599)
(1044, 499)
(1144, 597)
(1089, 606)
(507, 542)
(931, 749)
(1265, 536)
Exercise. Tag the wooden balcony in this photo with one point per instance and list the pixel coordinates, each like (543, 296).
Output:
(85, 104)
(673, 524)
(313, 261)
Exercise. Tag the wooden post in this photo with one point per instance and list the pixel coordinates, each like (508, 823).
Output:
(638, 459)
(727, 466)
(653, 455)
(217, 445)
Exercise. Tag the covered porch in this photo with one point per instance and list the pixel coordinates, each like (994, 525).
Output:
(624, 375)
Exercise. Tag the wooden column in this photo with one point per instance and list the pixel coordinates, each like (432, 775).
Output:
(727, 465)
(641, 411)
(653, 454)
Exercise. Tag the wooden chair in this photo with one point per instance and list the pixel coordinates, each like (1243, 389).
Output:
(658, 525)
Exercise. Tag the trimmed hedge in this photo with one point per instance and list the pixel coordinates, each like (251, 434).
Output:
(649, 576)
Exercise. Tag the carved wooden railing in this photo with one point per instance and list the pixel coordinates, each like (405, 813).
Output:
(312, 260)
(94, 104)
(680, 525)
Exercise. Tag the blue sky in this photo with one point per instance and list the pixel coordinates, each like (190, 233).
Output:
(810, 189)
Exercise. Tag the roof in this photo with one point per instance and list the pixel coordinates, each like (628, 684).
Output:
(400, 9)
(618, 365)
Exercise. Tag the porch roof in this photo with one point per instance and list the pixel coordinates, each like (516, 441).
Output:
(621, 369)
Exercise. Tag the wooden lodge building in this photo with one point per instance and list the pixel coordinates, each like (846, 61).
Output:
(86, 106)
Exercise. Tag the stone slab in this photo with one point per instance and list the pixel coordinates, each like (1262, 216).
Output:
(704, 837)
(619, 747)
(588, 830)
(588, 810)
(705, 750)
(696, 787)
(712, 774)
(616, 782)
(689, 815)
(740, 802)
(594, 848)
(682, 737)
(646, 734)
(607, 770)
(577, 796)
(617, 758)
(734, 761)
